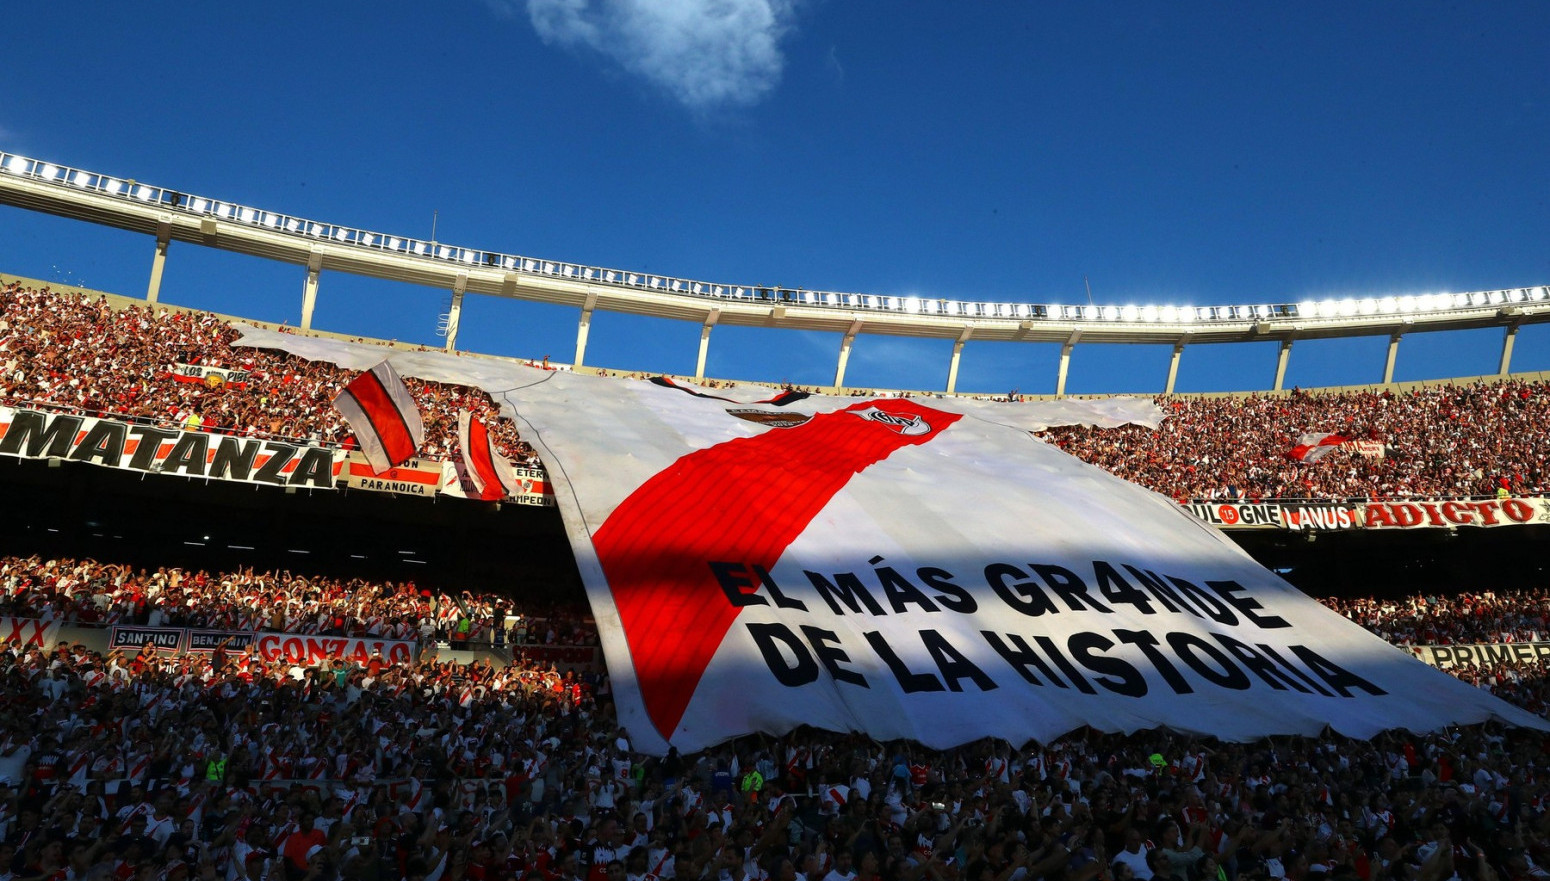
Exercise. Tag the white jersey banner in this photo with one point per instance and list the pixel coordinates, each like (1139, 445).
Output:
(899, 568)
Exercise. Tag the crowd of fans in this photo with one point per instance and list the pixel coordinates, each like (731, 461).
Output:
(1442, 441)
(220, 765)
(86, 591)
(79, 354)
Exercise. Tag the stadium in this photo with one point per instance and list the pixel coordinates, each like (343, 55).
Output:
(238, 647)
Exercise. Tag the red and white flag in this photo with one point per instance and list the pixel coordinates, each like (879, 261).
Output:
(487, 470)
(1312, 447)
(383, 415)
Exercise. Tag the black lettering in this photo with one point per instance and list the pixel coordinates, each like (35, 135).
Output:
(738, 588)
(1116, 589)
(799, 669)
(234, 458)
(1020, 656)
(1065, 665)
(1161, 591)
(781, 600)
(317, 469)
(900, 592)
(1291, 668)
(1022, 595)
(1185, 645)
(103, 442)
(150, 441)
(1257, 665)
(273, 471)
(1147, 643)
(953, 664)
(1115, 674)
(957, 599)
(832, 657)
(846, 587)
(1246, 605)
(1067, 586)
(188, 454)
(44, 435)
(910, 681)
(1336, 676)
(1214, 608)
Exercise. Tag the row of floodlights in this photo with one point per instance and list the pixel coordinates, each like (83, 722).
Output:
(1343, 308)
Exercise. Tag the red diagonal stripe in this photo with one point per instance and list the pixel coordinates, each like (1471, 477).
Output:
(479, 456)
(741, 501)
(391, 427)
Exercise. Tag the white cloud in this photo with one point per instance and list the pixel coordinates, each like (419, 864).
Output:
(704, 53)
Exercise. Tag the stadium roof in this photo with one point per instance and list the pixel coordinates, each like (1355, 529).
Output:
(171, 215)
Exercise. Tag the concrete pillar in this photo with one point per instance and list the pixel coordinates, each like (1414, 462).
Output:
(1281, 359)
(845, 343)
(1173, 367)
(1065, 363)
(159, 260)
(582, 327)
(309, 291)
(952, 365)
(710, 322)
(1388, 362)
(455, 311)
(1506, 364)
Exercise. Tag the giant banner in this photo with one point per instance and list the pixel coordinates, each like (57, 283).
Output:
(893, 567)
(919, 569)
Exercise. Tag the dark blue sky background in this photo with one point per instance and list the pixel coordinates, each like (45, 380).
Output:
(1207, 154)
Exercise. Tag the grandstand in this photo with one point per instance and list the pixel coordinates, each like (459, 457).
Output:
(262, 758)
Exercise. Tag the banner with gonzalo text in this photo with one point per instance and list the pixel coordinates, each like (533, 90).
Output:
(893, 567)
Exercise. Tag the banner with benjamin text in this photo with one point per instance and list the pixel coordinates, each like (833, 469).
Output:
(895, 567)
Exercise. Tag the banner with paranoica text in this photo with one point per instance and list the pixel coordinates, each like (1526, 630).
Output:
(1408, 514)
(39, 434)
(906, 570)
(1474, 654)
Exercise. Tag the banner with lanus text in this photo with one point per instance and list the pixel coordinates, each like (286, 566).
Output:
(897, 568)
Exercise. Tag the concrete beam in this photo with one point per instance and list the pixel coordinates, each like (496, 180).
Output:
(952, 365)
(1505, 366)
(1065, 362)
(1281, 359)
(455, 311)
(309, 291)
(1173, 365)
(711, 318)
(583, 326)
(845, 343)
(159, 259)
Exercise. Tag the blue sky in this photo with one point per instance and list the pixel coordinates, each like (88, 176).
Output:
(1204, 154)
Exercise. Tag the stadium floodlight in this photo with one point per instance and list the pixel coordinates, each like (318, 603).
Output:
(1462, 300)
(1168, 314)
(249, 215)
(1186, 313)
(468, 256)
(1368, 306)
(1148, 313)
(418, 248)
(49, 172)
(1307, 309)
(15, 165)
(1110, 313)
(1328, 309)
(270, 220)
(143, 193)
(80, 178)
(394, 243)
(1498, 297)
(1347, 307)
(339, 234)
(441, 251)
(198, 205)
(291, 225)
(1539, 293)
(1205, 313)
